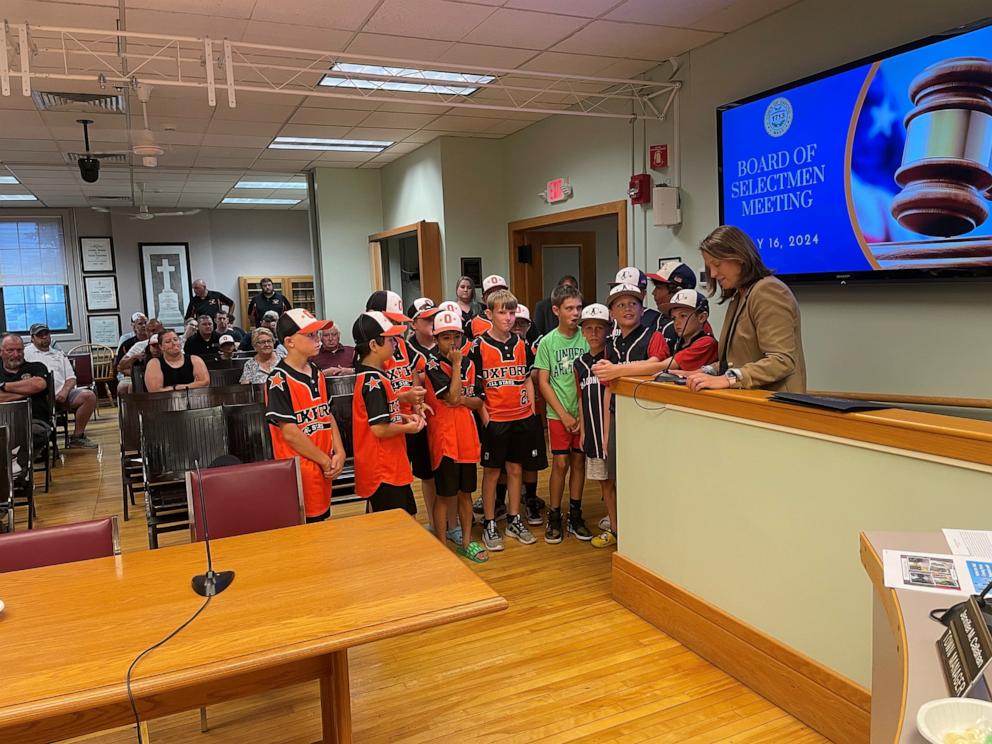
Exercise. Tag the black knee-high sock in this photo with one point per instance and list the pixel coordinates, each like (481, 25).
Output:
(531, 490)
(500, 493)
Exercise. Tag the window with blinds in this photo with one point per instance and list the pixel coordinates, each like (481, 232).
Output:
(33, 276)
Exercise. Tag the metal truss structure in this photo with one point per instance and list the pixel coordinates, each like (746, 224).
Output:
(32, 55)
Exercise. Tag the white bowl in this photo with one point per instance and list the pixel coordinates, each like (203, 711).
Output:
(946, 715)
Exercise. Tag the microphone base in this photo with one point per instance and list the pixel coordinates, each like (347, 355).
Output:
(212, 582)
(669, 377)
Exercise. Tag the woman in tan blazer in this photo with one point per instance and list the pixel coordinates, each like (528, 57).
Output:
(761, 343)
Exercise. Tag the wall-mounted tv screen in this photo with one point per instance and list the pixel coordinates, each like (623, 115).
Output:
(878, 169)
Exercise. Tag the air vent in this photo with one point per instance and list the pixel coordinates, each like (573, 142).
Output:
(105, 157)
(93, 103)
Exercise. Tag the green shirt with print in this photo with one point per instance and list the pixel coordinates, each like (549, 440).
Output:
(556, 353)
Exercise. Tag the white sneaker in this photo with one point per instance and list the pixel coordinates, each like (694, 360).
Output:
(491, 537)
(604, 524)
(516, 528)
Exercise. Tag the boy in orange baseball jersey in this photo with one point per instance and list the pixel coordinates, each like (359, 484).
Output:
(382, 471)
(480, 324)
(298, 412)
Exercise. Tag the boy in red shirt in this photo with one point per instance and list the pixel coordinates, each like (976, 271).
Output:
(512, 435)
(694, 345)
(454, 440)
(382, 471)
(298, 412)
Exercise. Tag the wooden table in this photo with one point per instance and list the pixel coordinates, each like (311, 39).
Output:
(301, 598)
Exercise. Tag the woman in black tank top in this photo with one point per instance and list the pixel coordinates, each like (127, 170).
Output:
(174, 370)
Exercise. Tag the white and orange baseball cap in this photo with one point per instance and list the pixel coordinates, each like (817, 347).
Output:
(446, 320)
(389, 304)
(299, 320)
(422, 307)
(373, 324)
(450, 306)
(523, 313)
(493, 282)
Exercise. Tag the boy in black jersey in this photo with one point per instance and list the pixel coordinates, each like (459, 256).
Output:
(594, 406)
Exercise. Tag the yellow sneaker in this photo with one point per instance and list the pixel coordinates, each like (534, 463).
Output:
(604, 540)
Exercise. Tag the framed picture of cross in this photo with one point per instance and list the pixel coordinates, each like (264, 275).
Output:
(166, 281)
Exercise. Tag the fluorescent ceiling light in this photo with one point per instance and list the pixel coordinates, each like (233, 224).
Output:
(18, 197)
(421, 81)
(270, 185)
(244, 200)
(321, 143)
(8, 179)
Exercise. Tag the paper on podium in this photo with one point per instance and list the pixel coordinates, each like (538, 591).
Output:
(951, 575)
(975, 543)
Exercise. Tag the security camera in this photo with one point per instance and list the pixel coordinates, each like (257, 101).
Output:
(89, 169)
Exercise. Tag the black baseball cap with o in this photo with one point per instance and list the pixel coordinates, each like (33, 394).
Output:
(422, 307)
(689, 298)
(675, 273)
(374, 324)
(299, 320)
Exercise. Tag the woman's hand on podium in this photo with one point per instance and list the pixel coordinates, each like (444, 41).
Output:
(697, 381)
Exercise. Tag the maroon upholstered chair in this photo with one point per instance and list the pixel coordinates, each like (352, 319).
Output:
(252, 497)
(63, 544)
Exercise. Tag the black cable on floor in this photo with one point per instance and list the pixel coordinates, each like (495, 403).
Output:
(130, 669)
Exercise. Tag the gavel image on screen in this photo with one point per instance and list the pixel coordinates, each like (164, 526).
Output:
(946, 171)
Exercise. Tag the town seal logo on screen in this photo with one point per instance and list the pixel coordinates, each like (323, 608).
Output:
(778, 117)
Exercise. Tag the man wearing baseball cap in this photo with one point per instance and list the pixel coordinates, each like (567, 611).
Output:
(298, 412)
(379, 427)
(138, 317)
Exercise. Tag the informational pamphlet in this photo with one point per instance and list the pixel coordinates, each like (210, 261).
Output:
(974, 543)
(952, 575)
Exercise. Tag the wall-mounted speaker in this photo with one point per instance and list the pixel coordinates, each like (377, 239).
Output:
(525, 254)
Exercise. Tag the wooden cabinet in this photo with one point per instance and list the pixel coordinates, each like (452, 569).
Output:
(299, 290)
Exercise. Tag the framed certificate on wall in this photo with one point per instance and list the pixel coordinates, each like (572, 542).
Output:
(104, 329)
(101, 293)
(97, 255)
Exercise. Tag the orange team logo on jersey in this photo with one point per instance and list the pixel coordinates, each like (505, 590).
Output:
(372, 383)
(276, 381)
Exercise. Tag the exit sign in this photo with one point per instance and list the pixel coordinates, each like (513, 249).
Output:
(557, 190)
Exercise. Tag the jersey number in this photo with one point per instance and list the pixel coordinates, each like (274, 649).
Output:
(524, 397)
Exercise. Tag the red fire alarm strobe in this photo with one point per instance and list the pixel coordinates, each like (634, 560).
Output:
(639, 189)
(659, 156)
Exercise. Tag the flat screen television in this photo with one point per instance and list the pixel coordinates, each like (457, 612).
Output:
(879, 169)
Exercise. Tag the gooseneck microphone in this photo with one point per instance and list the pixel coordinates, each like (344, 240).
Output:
(212, 582)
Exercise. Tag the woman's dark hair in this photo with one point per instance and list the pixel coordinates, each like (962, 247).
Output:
(729, 243)
(468, 279)
(166, 332)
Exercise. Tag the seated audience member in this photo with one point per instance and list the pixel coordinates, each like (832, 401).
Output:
(223, 326)
(138, 317)
(21, 380)
(136, 354)
(269, 321)
(226, 347)
(153, 350)
(333, 357)
(175, 370)
(267, 300)
(189, 329)
(140, 325)
(68, 397)
(207, 302)
(205, 343)
(257, 368)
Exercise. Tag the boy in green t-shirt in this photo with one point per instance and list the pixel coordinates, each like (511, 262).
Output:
(556, 356)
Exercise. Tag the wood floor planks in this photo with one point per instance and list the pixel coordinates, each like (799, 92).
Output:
(564, 664)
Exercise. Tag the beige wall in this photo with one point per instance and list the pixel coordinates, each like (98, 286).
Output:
(764, 522)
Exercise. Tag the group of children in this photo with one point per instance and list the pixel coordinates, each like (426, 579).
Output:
(434, 398)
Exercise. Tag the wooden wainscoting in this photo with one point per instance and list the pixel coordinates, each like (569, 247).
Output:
(819, 697)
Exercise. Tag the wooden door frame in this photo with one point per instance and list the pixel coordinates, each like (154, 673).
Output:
(428, 236)
(516, 230)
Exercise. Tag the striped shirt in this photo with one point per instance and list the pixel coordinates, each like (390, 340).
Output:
(592, 394)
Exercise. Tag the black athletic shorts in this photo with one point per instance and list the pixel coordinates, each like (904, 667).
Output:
(418, 449)
(388, 497)
(519, 441)
(452, 477)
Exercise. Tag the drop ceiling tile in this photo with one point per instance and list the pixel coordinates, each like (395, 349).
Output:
(205, 161)
(235, 140)
(509, 127)
(178, 138)
(238, 153)
(333, 164)
(526, 29)
(628, 69)
(289, 155)
(16, 145)
(282, 166)
(250, 128)
(405, 147)
(328, 116)
(348, 15)
(31, 156)
(223, 8)
(71, 14)
(428, 19)
(397, 47)
(392, 119)
(422, 137)
(276, 112)
(185, 24)
(413, 108)
(297, 36)
(345, 157)
(583, 8)
(664, 14)
(481, 55)
(374, 133)
(567, 64)
(739, 14)
(455, 123)
(634, 40)
(313, 130)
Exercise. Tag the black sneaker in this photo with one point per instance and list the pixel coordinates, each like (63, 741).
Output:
(577, 525)
(552, 534)
(533, 512)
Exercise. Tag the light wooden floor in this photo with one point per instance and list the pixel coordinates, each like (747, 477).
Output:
(565, 663)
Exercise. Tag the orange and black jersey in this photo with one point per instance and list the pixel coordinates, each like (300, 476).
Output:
(297, 398)
(377, 461)
(476, 327)
(401, 367)
(450, 431)
(501, 372)
(418, 347)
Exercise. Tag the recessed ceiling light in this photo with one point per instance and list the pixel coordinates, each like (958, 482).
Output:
(270, 185)
(421, 81)
(245, 200)
(321, 143)
(18, 197)
(8, 179)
